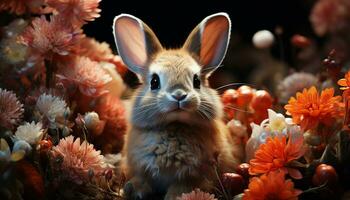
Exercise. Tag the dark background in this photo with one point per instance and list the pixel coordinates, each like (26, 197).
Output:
(172, 21)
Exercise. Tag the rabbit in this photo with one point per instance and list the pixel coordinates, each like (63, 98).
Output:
(177, 140)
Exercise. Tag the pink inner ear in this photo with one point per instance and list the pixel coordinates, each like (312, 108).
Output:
(214, 35)
(130, 35)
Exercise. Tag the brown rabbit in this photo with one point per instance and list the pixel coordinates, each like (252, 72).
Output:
(176, 133)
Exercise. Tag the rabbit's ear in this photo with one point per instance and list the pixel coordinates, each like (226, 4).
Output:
(208, 42)
(135, 41)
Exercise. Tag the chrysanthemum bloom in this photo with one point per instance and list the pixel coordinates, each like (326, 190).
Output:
(277, 154)
(271, 186)
(294, 83)
(197, 194)
(112, 111)
(330, 16)
(11, 109)
(80, 160)
(309, 109)
(20, 7)
(47, 38)
(51, 106)
(345, 84)
(87, 75)
(30, 132)
(100, 52)
(76, 11)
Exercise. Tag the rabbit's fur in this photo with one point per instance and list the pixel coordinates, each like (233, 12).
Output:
(175, 144)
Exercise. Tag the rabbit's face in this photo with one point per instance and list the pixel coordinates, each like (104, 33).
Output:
(174, 90)
(175, 81)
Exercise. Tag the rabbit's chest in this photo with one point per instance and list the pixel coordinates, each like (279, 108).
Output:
(170, 154)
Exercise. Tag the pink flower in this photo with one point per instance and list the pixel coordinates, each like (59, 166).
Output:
(47, 38)
(330, 16)
(111, 110)
(11, 109)
(20, 7)
(95, 50)
(197, 194)
(76, 11)
(87, 75)
(79, 161)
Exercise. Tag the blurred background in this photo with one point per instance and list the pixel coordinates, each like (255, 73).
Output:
(172, 21)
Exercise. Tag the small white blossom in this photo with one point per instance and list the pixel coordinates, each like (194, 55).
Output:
(30, 132)
(51, 106)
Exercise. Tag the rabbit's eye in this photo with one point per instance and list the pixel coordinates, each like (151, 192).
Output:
(155, 82)
(196, 82)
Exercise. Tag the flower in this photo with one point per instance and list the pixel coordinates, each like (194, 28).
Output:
(11, 109)
(112, 110)
(309, 109)
(80, 160)
(48, 38)
(21, 145)
(276, 154)
(6, 154)
(275, 125)
(20, 7)
(30, 132)
(271, 186)
(76, 11)
(330, 16)
(88, 75)
(197, 194)
(345, 84)
(95, 50)
(93, 123)
(51, 106)
(294, 83)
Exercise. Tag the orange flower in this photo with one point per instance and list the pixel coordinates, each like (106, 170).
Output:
(345, 84)
(309, 109)
(276, 154)
(271, 186)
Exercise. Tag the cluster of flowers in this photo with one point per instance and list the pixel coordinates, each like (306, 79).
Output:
(62, 101)
(62, 115)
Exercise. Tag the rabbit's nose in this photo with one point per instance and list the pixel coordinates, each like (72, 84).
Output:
(179, 95)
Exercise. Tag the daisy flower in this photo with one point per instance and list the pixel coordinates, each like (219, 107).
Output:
(309, 108)
(271, 186)
(11, 109)
(48, 38)
(30, 132)
(79, 159)
(76, 11)
(276, 154)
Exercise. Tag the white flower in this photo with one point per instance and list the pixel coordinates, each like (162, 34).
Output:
(91, 120)
(276, 121)
(30, 132)
(51, 106)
